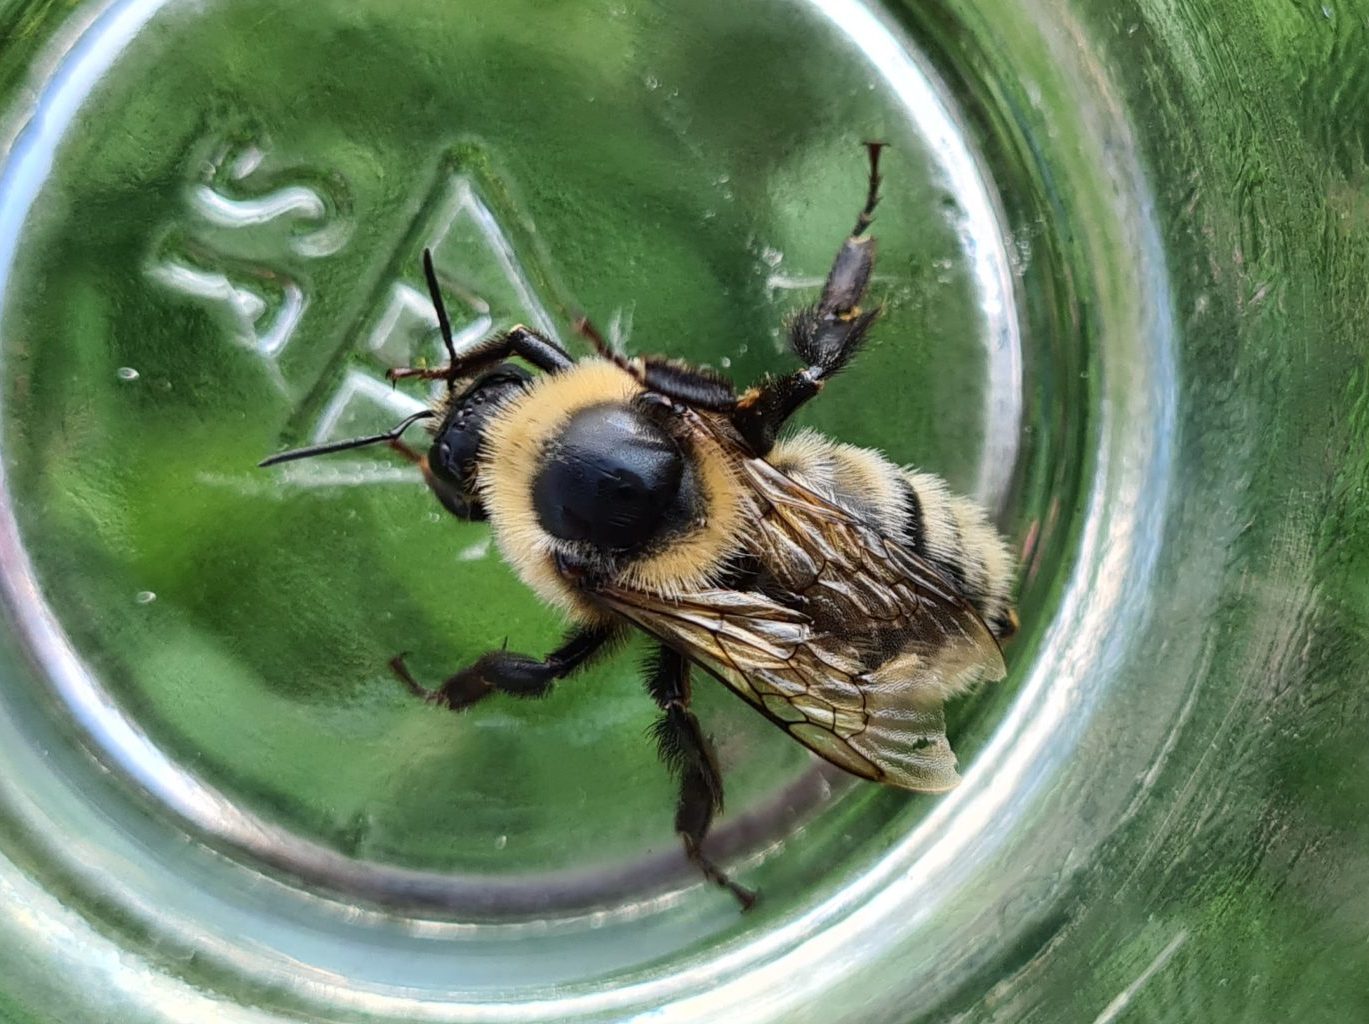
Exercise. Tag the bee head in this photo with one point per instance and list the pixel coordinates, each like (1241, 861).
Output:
(615, 479)
(453, 465)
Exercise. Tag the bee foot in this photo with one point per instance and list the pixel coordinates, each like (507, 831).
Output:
(744, 896)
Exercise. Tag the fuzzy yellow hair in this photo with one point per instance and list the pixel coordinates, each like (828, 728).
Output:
(518, 438)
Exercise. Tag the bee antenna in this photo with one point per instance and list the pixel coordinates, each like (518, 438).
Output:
(439, 307)
(393, 434)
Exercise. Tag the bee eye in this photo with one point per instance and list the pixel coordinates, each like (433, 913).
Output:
(610, 480)
(455, 450)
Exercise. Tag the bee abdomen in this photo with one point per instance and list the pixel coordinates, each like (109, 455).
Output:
(954, 532)
(859, 479)
(950, 531)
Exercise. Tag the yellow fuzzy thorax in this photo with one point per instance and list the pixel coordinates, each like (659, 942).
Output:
(518, 438)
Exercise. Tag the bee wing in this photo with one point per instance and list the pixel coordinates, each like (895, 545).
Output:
(857, 669)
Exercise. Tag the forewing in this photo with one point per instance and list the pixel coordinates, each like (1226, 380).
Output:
(853, 578)
(766, 653)
(857, 659)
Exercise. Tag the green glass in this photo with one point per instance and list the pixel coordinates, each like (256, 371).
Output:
(1122, 255)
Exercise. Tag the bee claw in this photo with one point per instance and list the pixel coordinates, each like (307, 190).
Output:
(746, 897)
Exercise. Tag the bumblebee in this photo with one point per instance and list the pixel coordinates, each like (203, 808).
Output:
(843, 597)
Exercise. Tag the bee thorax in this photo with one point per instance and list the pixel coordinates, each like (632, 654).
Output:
(613, 480)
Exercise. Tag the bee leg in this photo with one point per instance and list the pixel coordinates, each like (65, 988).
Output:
(825, 336)
(695, 386)
(520, 341)
(689, 756)
(507, 672)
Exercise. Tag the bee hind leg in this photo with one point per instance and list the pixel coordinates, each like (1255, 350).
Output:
(824, 336)
(508, 672)
(689, 756)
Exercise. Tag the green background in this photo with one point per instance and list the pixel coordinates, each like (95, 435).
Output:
(1201, 853)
